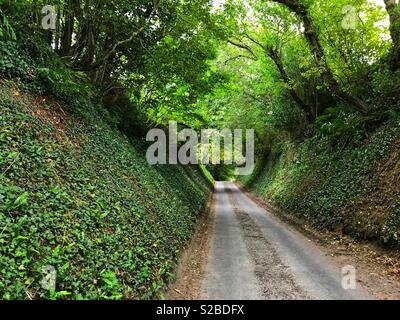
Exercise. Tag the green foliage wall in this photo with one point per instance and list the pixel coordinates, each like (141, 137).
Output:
(78, 195)
(348, 188)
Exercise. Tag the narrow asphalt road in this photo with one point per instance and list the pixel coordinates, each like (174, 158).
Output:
(253, 255)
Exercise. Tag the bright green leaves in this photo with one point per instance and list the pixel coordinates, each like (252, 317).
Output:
(12, 198)
(110, 288)
(22, 200)
(6, 31)
(169, 41)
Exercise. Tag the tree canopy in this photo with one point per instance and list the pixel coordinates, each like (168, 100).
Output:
(272, 65)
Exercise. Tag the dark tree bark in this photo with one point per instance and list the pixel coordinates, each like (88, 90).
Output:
(317, 50)
(57, 33)
(109, 52)
(68, 28)
(393, 10)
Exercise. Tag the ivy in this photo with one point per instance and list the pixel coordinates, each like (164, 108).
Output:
(85, 201)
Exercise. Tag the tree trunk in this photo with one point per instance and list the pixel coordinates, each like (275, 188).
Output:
(68, 30)
(393, 10)
(57, 33)
(103, 57)
(273, 54)
(319, 55)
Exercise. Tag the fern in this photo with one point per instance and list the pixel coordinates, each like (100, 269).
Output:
(6, 30)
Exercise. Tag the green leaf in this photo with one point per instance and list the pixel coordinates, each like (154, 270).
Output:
(22, 200)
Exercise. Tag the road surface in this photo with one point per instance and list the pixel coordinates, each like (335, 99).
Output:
(253, 255)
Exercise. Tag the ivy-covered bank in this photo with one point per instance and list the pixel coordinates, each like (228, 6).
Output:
(352, 187)
(79, 196)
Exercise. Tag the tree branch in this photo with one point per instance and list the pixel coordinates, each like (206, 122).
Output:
(243, 46)
(318, 52)
(133, 35)
(393, 10)
(238, 57)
